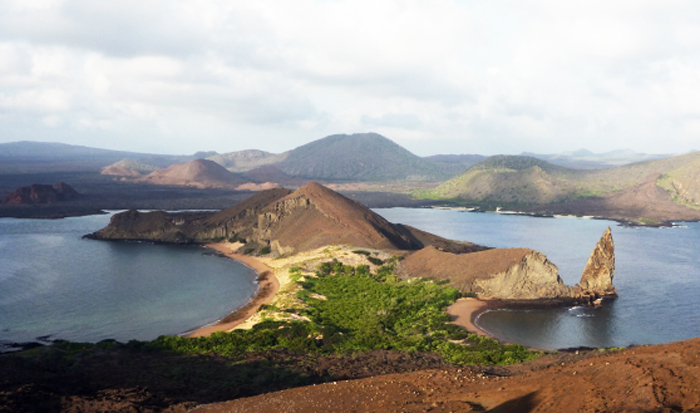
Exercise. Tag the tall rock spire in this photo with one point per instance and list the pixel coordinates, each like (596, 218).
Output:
(600, 269)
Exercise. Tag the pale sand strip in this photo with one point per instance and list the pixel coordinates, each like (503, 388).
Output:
(269, 285)
(464, 311)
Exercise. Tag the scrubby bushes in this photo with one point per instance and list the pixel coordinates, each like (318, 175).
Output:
(362, 311)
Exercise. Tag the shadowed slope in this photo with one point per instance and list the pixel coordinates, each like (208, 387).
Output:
(362, 157)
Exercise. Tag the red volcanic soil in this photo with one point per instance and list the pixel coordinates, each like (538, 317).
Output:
(41, 194)
(460, 268)
(200, 173)
(641, 379)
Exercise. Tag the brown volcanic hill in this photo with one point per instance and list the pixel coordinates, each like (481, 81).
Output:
(659, 378)
(639, 203)
(271, 173)
(200, 173)
(241, 218)
(315, 216)
(41, 194)
(311, 217)
(128, 167)
(120, 171)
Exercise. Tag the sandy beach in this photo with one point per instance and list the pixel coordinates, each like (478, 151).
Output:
(268, 287)
(464, 311)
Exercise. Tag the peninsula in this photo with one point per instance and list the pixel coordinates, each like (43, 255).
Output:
(282, 223)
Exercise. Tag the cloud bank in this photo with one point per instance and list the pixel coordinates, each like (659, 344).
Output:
(436, 77)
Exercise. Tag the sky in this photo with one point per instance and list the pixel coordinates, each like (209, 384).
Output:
(445, 76)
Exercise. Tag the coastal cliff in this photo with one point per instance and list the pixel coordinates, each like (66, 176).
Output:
(533, 277)
(516, 273)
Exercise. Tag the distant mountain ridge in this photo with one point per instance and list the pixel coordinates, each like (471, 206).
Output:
(585, 159)
(31, 157)
(522, 181)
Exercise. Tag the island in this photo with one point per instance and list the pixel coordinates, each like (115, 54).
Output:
(295, 228)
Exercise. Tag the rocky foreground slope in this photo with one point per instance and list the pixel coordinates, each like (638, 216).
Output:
(661, 378)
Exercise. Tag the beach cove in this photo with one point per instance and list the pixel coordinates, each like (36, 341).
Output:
(56, 285)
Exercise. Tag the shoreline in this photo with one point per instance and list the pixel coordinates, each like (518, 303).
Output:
(464, 313)
(268, 286)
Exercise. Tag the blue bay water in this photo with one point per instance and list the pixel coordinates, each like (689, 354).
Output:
(657, 277)
(54, 283)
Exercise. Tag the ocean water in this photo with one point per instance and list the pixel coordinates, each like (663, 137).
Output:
(56, 285)
(657, 277)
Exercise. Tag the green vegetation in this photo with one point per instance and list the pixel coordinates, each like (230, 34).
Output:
(295, 273)
(513, 181)
(235, 238)
(265, 250)
(648, 221)
(375, 260)
(353, 310)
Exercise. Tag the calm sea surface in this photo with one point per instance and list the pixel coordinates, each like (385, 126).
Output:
(657, 277)
(54, 283)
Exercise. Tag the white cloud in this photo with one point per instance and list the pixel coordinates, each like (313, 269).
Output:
(442, 76)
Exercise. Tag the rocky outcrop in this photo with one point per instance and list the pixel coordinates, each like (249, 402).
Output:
(41, 194)
(600, 269)
(503, 273)
(515, 273)
(534, 277)
(189, 227)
